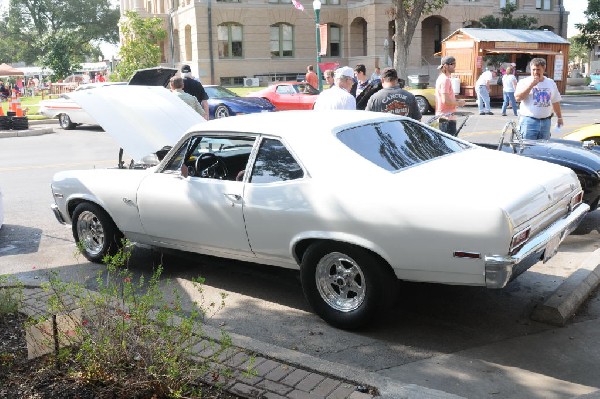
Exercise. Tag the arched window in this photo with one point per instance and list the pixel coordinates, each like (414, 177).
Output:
(282, 40)
(229, 36)
(334, 36)
(358, 37)
(188, 43)
(547, 27)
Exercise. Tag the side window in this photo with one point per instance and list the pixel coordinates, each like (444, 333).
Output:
(274, 163)
(174, 164)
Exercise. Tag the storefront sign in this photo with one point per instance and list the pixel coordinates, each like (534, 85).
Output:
(558, 67)
(516, 45)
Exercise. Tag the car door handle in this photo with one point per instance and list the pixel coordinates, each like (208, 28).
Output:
(234, 198)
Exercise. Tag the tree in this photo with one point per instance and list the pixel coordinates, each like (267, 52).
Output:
(140, 45)
(406, 15)
(590, 31)
(60, 55)
(578, 52)
(30, 25)
(507, 21)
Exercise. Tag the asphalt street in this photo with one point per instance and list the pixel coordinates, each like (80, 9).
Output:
(468, 341)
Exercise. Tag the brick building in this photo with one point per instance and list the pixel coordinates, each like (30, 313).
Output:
(226, 41)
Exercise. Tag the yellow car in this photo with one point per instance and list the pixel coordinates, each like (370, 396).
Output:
(425, 99)
(586, 133)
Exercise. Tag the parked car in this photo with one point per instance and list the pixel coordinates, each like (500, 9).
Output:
(223, 103)
(289, 95)
(425, 99)
(266, 188)
(586, 133)
(70, 114)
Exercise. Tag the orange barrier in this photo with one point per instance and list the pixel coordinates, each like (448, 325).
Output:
(18, 109)
(1, 111)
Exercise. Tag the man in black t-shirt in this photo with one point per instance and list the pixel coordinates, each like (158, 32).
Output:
(195, 88)
(393, 99)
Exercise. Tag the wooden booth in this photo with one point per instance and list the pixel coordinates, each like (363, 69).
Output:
(472, 48)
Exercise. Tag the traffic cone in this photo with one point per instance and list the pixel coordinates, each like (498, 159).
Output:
(1, 110)
(13, 101)
(18, 108)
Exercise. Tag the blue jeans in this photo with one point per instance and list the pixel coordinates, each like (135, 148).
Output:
(535, 129)
(509, 96)
(483, 98)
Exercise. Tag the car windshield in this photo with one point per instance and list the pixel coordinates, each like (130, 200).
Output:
(219, 92)
(305, 88)
(396, 145)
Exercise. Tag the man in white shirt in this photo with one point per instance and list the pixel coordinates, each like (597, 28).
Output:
(482, 88)
(338, 97)
(539, 99)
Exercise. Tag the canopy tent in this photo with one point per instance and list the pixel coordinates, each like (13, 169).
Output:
(7, 70)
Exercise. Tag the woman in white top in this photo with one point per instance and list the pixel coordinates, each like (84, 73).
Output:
(509, 83)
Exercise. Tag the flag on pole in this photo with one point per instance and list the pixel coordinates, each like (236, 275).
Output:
(298, 5)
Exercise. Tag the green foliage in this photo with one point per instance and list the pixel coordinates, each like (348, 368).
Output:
(140, 46)
(578, 52)
(507, 20)
(136, 331)
(86, 22)
(60, 55)
(11, 294)
(590, 31)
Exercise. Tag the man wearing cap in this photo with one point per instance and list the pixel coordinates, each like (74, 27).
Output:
(195, 88)
(392, 98)
(445, 100)
(540, 99)
(338, 97)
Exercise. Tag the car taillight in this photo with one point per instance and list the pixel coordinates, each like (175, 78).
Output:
(576, 200)
(519, 239)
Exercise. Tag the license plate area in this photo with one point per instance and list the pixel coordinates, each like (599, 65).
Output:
(551, 248)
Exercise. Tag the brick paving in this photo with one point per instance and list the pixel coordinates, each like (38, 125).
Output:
(253, 375)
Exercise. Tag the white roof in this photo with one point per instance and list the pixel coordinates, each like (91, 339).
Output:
(511, 35)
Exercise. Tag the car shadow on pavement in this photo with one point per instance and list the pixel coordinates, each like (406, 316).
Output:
(15, 239)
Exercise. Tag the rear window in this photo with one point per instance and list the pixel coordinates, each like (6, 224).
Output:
(396, 145)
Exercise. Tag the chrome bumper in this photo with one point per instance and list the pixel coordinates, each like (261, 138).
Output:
(57, 214)
(499, 270)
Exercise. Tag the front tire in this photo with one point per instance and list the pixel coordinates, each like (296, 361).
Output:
(96, 231)
(65, 122)
(423, 104)
(346, 286)
(221, 112)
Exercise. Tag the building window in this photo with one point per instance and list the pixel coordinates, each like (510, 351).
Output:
(282, 40)
(228, 1)
(232, 81)
(504, 3)
(229, 36)
(335, 41)
(281, 1)
(543, 4)
(331, 2)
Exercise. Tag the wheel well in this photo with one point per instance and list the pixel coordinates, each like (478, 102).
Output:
(301, 247)
(73, 204)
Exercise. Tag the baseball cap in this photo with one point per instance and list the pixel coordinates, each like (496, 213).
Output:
(448, 59)
(344, 72)
(186, 69)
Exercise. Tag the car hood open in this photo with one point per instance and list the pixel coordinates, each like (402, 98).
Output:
(158, 76)
(142, 119)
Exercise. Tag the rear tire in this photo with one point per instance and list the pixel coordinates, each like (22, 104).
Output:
(96, 231)
(65, 122)
(221, 112)
(346, 286)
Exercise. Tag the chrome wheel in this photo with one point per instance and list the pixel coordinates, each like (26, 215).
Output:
(422, 104)
(221, 112)
(340, 282)
(65, 122)
(91, 233)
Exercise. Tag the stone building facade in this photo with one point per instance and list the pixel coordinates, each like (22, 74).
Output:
(226, 41)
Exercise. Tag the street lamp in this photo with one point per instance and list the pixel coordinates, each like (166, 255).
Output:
(317, 8)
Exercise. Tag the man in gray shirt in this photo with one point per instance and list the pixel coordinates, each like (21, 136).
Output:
(393, 99)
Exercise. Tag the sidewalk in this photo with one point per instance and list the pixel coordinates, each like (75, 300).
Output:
(279, 373)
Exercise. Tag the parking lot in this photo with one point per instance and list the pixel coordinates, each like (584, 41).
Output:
(469, 341)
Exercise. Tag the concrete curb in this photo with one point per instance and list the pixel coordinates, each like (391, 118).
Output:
(567, 298)
(26, 133)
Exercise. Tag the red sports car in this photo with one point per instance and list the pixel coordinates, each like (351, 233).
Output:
(289, 95)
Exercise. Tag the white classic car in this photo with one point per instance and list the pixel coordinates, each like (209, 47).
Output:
(355, 200)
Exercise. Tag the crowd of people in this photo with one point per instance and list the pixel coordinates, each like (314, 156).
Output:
(537, 94)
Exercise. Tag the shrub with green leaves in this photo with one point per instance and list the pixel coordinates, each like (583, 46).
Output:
(11, 295)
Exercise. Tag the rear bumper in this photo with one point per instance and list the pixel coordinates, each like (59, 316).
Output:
(499, 270)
